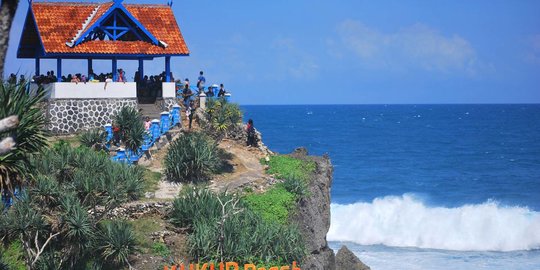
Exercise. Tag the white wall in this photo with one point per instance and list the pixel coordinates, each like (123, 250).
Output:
(90, 90)
(169, 90)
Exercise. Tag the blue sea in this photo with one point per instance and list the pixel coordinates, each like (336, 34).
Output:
(424, 186)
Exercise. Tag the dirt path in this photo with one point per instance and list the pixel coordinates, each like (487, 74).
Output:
(247, 168)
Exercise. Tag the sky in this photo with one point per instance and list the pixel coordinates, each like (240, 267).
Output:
(348, 52)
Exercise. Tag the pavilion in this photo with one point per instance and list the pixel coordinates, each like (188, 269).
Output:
(99, 31)
(113, 30)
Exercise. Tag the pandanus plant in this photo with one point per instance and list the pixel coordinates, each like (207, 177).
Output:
(27, 138)
(131, 128)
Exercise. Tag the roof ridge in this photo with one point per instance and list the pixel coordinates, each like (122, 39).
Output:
(84, 26)
(67, 3)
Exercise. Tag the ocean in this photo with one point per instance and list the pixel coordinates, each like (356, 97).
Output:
(424, 186)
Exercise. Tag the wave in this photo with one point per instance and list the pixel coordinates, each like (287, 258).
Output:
(405, 221)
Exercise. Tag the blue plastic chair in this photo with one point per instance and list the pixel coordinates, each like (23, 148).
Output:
(155, 130)
(175, 114)
(165, 122)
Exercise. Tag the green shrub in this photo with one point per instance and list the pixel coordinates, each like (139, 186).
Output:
(30, 134)
(132, 131)
(116, 242)
(73, 190)
(195, 202)
(193, 157)
(286, 167)
(296, 186)
(93, 138)
(222, 115)
(12, 257)
(231, 231)
(273, 205)
(161, 249)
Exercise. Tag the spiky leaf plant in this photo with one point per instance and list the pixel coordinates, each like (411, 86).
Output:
(30, 135)
(116, 242)
(222, 115)
(74, 190)
(94, 138)
(131, 127)
(193, 157)
(225, 229)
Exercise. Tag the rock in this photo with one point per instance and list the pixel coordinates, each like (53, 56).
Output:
(313, 215)
(325, 259)
(345, 259)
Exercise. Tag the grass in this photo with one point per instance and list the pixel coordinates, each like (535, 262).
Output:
(151, 180)
(144, 227)
(72, 140)
(273, 205)
(161, 249)
(13, 256)
(286, 167)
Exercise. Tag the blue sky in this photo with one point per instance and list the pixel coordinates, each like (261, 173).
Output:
(350, 52)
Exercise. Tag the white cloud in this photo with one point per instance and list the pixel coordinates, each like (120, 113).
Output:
(417, 46)
(292, 61)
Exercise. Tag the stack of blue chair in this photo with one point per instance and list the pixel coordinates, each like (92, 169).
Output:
(165, 122)
(147, 142)
(175, 115)
(120, 156)
(155, 130)
(108, 129)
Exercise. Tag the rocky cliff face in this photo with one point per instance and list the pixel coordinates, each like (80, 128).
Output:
(313, 215)
(313, 218)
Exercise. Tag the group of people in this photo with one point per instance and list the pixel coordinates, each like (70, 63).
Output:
(13, 79)
(187, 93)
(45, 79)
(77, 78)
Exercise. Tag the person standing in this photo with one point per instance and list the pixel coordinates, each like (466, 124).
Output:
(189, 112)
(200, 82)
(222, 91)
(147, 124)
(250, 129)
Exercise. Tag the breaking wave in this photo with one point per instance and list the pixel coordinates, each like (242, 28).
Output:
(406, 221)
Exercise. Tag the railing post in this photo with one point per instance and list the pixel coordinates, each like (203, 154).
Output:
(202, 101)
(59, 69)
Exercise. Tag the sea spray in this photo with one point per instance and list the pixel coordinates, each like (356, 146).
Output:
(405, 221)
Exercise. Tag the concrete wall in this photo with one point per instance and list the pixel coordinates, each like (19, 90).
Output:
(68, 116)
(169, 90)
(89, 90)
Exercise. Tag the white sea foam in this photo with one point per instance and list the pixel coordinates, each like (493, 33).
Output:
(406, 221)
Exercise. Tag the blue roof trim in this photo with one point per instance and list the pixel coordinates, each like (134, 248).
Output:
(106, 56)
(155, 41)
(116, 6)
(42, 47)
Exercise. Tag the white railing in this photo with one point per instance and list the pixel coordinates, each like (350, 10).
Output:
(90, 90)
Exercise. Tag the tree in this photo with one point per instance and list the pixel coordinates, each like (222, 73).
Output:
(132, 130)
(29, 136)
(7, 13)
(61, 220)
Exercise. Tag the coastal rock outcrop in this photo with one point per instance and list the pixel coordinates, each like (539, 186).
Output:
(345, 259)
(313, 218)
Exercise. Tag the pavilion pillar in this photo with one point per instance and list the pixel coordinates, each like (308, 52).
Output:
(114, 68)
(90, 67)
(59, 69)
(141, 69)
(168, 69)
(37, 67)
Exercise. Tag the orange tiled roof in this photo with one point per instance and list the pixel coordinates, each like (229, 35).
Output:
(58, 23)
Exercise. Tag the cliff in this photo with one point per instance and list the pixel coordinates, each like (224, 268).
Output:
(313, 219)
